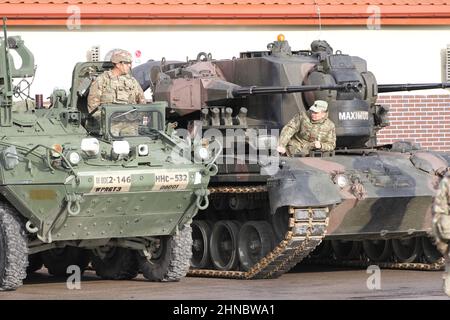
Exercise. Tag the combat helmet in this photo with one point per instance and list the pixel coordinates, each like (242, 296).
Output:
(120, 55)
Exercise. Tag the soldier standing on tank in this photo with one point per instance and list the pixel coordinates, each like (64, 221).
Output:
(441, 226)
(115, 86)
(308, 131)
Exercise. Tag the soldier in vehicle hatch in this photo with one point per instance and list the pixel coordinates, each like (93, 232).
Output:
(115, 86)
(308, 131)
(441, 226)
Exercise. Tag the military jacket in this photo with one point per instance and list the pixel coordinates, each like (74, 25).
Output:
(302, 132)
(107, 88)
(442, 199)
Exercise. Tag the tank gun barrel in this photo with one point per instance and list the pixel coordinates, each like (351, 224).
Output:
(260, 90)
(410, 87)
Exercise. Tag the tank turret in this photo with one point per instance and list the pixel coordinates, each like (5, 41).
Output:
(271, 86)
(363, 202)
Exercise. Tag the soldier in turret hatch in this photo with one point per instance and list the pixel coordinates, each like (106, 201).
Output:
(115, 86)
(308, 132)
(441, 226)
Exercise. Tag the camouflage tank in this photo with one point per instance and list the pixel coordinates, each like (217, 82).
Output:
(124, 201)
(364, 201)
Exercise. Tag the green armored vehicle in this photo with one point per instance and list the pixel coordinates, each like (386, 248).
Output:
(69, 195)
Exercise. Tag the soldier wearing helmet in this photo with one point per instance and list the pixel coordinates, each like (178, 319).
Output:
(116, 85)
(441, 225)
(308, 131)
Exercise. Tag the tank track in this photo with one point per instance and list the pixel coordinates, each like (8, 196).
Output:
(306, 229)
(418, 266)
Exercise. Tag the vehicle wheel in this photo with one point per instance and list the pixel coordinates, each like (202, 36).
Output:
(115, 263)
(13, 249)
(430, 251)
(34, 263)
(201, 232)
(407, 250)
(377, 250)
(322, 251)
(256, 240)
(346, 250)
(280, 223)
(224, 245)
(173, 259)
(59, 259)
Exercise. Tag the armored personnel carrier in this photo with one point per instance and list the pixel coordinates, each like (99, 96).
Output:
(363, 202)
(123, 199)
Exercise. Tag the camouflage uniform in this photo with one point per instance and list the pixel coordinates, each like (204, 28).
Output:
(108, 88)
(111, 89)
(441, 225)
(299, 134)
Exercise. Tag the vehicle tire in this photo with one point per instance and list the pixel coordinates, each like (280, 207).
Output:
(256, 240)
(34, 263)
(377, 250)
(59, 259)
(223, 245)
(280, 223)
(346, 250)
(322, 251)
(407, 250)
(13, 249)
(174, 259)
(430, 251)
(116, 264)
(201, 232)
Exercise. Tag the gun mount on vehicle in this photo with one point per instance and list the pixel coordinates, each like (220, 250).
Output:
(362, 195)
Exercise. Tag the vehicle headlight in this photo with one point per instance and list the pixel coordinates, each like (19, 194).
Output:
(143, 149)
(73, 157)
(91, 146)
(203, 153)
(341, 180)
(121, 147)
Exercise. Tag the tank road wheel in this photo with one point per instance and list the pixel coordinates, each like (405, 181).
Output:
(430, 252)
(224, 245)
(173, 259)
(115, 263)
(59, 259)
(280, 222)
(407, 250)
(346, 250)
(256, 240)
(201, 232)
(13, 249)
(34, 263)
(377, 250)
(322, 251)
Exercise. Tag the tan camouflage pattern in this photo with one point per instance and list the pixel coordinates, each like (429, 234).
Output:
(441, 215)
(299, 134)
(441, 226)
(121, 55)
(442, 199)
(125, 129)
(107, 88)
